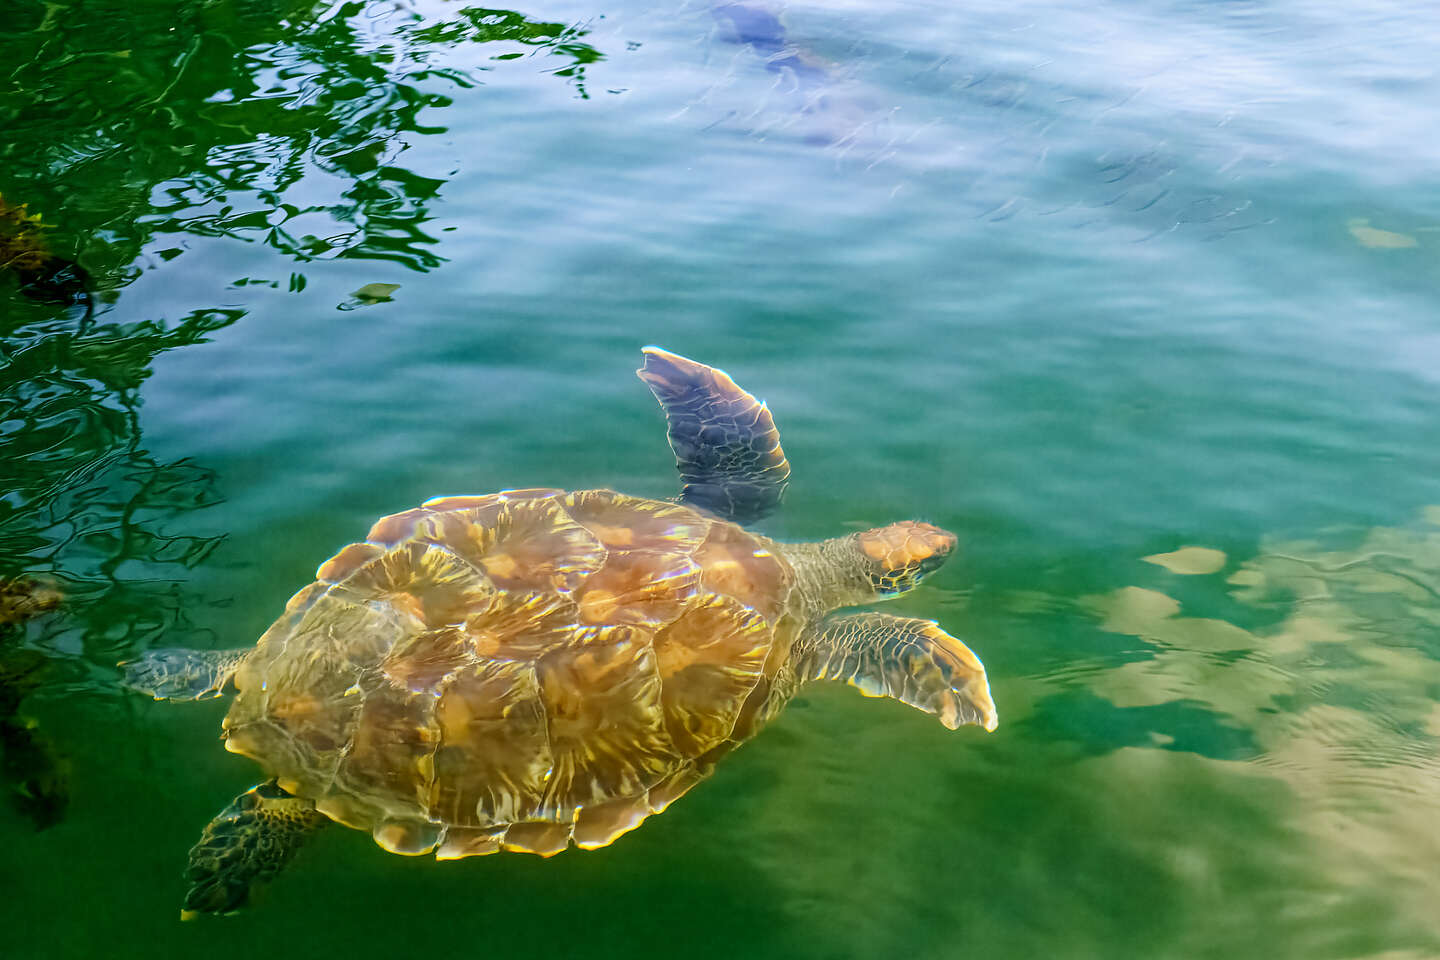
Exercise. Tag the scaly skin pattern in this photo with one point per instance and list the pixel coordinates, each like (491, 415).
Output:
(909, 660)
(913, 661)
(178, 674)
(248, 843)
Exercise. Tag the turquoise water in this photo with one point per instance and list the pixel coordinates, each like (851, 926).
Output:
(1084, 284)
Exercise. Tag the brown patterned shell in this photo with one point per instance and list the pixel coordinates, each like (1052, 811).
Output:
(516, 671)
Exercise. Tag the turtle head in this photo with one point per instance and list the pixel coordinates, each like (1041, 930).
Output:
(897, 557)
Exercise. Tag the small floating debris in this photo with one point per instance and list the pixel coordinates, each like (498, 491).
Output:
(1189, 560)
(376, 292)
(369, 295)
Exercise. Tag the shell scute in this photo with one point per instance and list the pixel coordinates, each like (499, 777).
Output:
(389, 762)
(529, 493)
(494, 746)
(521, 626)
(421, 663)
(469, 842)
(542, 837)
(298, 710)
(709, 660)
(452, 504)
(529, 545)
(675, 786)
(639, 587)
(628, 523)
(398, 527)
(423, 580)
(305, 598)
(607, 734)
(347, 561)
(409, 838)
(599, 824)
(739, 566)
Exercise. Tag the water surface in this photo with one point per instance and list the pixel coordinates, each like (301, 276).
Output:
(1086, 285)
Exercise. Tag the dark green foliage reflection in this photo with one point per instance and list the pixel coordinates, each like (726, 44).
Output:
(199, 118)
(86, 507)
(483, 25)
(132, 129)
(87, 503)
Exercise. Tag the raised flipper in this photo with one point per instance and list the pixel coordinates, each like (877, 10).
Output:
(726, 446)
(912, 661)
(248, 843)
(177, 674)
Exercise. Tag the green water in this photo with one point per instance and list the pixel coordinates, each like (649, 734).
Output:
(1082, 283)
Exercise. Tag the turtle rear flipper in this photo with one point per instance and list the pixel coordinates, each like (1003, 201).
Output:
(248, 843)
(726, 446)
(178, 674)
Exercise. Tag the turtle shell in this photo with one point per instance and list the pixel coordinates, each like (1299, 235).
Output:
(516, 671)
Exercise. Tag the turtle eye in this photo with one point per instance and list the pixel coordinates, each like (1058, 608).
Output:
(900, 555)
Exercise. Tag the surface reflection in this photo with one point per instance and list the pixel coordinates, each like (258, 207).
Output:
(85, 515)
(1334, 688)
(34, 772)
(803, 99)
(261, 121)
(86, 501)
(268, 94)
(42, 275)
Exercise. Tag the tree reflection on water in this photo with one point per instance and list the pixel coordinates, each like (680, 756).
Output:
(197, 118)
(130, 127)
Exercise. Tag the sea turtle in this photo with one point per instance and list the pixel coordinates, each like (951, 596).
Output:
(535, 668)
(812, 106)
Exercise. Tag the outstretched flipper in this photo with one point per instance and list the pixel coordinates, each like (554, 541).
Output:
(177, 674)
(726, 446)
(912, 661)
(248, 843)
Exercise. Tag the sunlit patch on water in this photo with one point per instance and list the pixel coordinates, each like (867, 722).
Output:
(1376, 238)
(1337, 694)
(1189, 560)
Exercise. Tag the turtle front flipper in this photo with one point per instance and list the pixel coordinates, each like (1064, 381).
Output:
(248, 843)
(177, 674)
(726, 446)
(913, 661)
